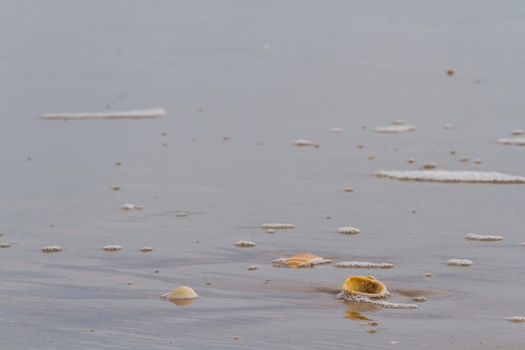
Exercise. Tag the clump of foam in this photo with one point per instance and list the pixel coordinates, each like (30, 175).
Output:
(364, 300)
(134, 114)
(363, 265)
(349, 230)
(486, 238)
(459, 262)
(452, 176)
(519, 141)
(244, 244)
(306, 143)
(277, 226)
(395, 128)
(516, 319)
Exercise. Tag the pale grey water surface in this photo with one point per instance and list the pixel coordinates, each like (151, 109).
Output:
(263, 73)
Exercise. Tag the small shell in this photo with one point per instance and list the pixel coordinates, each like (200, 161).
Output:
(130, 206)
(349, 230)
(363, 265)
(306, 143)
(146, 249)
(301, 260)
(244, 244)
(486, 238)
(111, 248)
(365, 286)
(52, 249)
(517, 132)
(181, 293)
(5, 245)
(516, 319)
(270, 230)
(459, 262)
(252, 267)
(349, 189)
(277, 226)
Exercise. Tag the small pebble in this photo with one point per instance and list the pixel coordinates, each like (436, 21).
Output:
(146, 249)
(518, 132)
(451, 72)
(373, 324)
(5, 245)
(116, 188)
(411, 160)
(428, 274)
(118, 163)
(52, 249)
(252, 267)
(429, 166)
(372, 331)
(464, 159)
(360, 146)
(371, 157)
(452, 152)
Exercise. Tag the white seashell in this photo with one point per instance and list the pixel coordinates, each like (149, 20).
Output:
(475, 237)
(306, 143)
(519, 141)
(130, 206)
(5, 245)
(395, 128)
(252, 267)
(448, 126)
(516, 319)
(146, 249)
(244, 244)
(459, 262)
(451, 176)
(111, 248)
(517, 132)
(348, 230)
(181, 293)
(277, 226)
(363, 265)
(52, 249)
(136, 114)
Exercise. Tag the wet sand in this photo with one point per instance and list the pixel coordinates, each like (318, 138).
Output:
(240, 82)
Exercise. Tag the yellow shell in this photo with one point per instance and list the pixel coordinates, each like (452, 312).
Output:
(365, 286)
(302, 260)
(181, 293)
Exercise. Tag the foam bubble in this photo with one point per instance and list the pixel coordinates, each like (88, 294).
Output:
(133, 114)
(519, 141)
(395, 128)
(363, 265)
(451, 176)
(475, 237)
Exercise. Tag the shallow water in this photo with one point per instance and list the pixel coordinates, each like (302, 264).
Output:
(263, 74)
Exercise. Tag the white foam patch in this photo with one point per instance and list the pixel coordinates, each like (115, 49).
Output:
(244, 244)
(451, 176)
(133, 114)
(459, 262)
(363, 265)
(349, 230)
(485, 238)
(277, 226)
(364, 300)
(305, 143)
(519, 141)
(395, 128)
